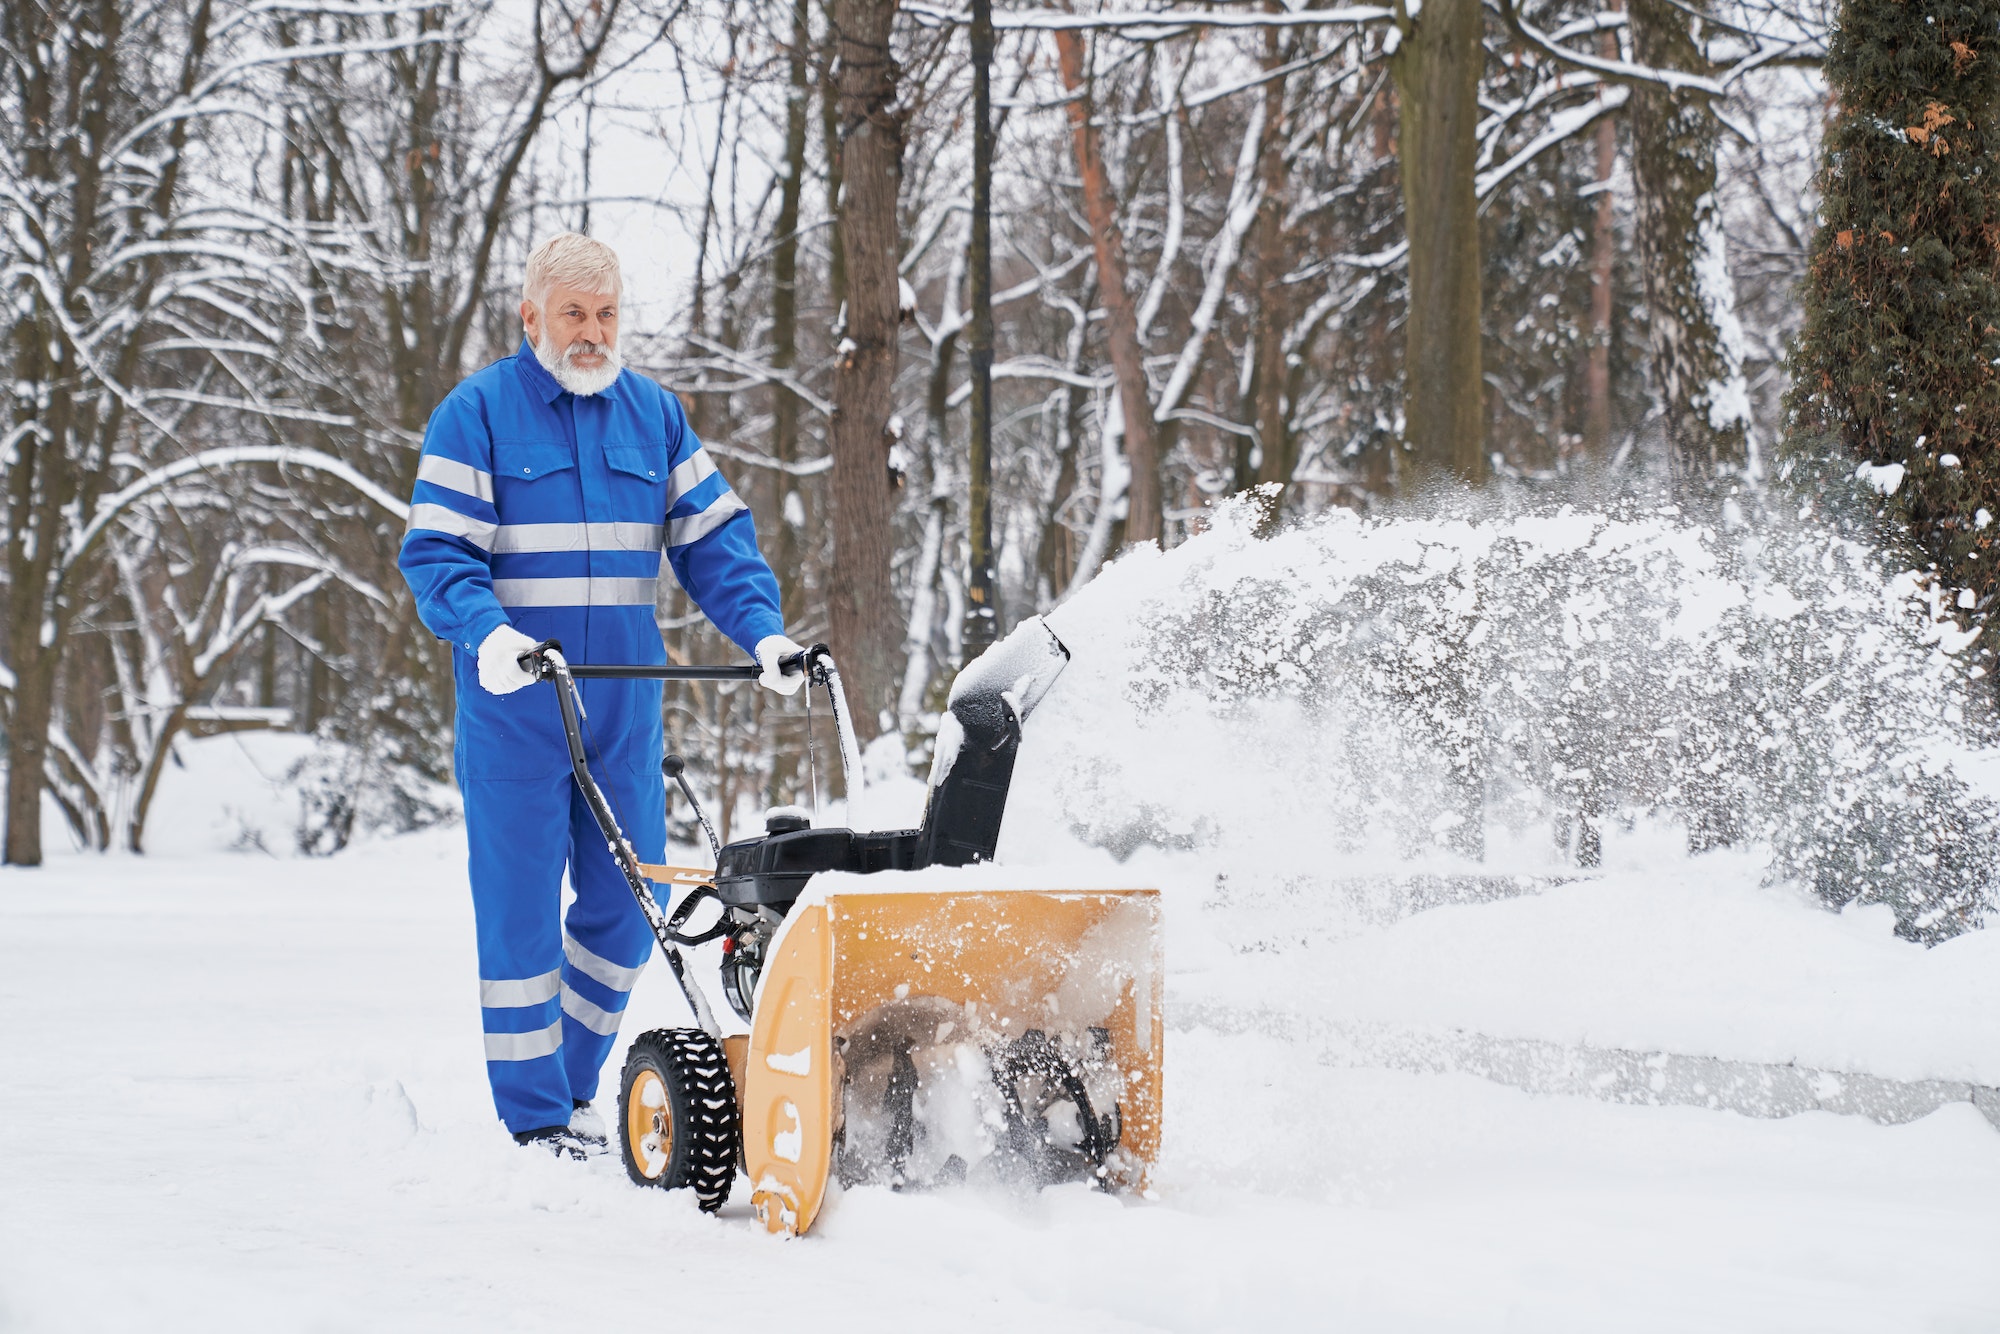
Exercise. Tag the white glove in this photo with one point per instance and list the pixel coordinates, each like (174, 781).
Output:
(769, 650)
(500, 669)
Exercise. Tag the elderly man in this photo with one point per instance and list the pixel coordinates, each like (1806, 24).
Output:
(550, 483)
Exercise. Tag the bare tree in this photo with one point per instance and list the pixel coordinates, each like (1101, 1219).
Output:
(1142, 513)
(1231, 246)
(864, 417)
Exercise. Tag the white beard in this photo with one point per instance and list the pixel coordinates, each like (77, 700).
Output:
(575, 378)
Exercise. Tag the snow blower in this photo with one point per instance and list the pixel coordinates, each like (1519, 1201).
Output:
(907, 1028)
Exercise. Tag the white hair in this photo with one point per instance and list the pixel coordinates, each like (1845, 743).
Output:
(572, 260)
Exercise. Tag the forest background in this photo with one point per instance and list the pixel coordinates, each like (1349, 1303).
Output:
(1349, 255)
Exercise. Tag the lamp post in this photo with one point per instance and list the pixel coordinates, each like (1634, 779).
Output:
(981, 616)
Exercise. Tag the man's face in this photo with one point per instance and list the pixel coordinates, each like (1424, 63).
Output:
(570, 317)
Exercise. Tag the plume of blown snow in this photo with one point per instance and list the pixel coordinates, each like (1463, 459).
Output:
(1398, 694)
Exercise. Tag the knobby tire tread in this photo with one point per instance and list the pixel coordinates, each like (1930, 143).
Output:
(703, 1102)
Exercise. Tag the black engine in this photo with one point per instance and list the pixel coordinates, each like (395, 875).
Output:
(758, 879)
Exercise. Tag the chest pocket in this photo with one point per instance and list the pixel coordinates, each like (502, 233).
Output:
(642, 462)
(528, 461)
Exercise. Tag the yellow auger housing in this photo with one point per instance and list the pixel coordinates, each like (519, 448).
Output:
(910, 1023)
(922, 1036)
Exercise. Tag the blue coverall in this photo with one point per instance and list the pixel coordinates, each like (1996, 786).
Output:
(548, 511)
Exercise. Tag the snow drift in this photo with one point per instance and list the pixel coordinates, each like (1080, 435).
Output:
(1498, 687)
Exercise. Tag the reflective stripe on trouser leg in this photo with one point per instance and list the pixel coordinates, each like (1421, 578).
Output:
(606, 941)
(517, 837)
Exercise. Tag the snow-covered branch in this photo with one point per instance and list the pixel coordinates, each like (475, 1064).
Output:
(1621, 71)
(1245, 194)
(1151, 23)
(217, 460)
(1563, 125)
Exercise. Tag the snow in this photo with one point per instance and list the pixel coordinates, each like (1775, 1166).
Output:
(228, 793)
(1277, 705)
(245, 1089)
(956, 1106)
(1697, 958)
(790, 1062)
(1729, 393)
(290, 1131)
(1884, 478)
(1014, 673)
(787, 1144)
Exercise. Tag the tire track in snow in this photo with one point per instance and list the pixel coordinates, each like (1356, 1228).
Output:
(1607, 1074)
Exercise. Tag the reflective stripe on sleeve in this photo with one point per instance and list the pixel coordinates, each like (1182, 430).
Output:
(693, 470)
(592, 1016)
(511, 993)
(455, 476)
(721, 510)
(527, 537)
(524, 1046)
(616, 976)
(439, 519)
(577, 591)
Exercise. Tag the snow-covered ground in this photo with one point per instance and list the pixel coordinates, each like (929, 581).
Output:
(244, 1093)
(244, 1089)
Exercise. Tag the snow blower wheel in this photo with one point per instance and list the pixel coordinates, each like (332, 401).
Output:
(677, 1114)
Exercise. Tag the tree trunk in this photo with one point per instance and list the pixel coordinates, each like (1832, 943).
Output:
(1142, 497)
(788, 534)
(1437, 68)
(1690, 316)
(149, 776)
(319, 675)
(35, 493)
(27, 742)
(1275, 458)
(1603, 252)
(41, 477)
(69, 63)
(785, 315)
(830, 135)
(863, 602)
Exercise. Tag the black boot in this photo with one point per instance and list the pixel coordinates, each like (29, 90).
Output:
(559, 1140)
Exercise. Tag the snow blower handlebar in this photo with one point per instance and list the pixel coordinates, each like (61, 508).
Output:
(816, 662)
(546, 663)
(584, 671)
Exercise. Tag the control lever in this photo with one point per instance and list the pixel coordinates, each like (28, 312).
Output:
(674, 767)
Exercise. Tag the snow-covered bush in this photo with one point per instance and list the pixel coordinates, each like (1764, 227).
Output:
(344, 790)
(1401, 687)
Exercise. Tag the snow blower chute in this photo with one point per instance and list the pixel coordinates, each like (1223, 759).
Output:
(907, 1026)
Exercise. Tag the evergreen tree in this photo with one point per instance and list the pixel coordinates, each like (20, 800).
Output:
(1897, 361)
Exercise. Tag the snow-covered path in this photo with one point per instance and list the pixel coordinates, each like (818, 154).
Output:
(244, 1093)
